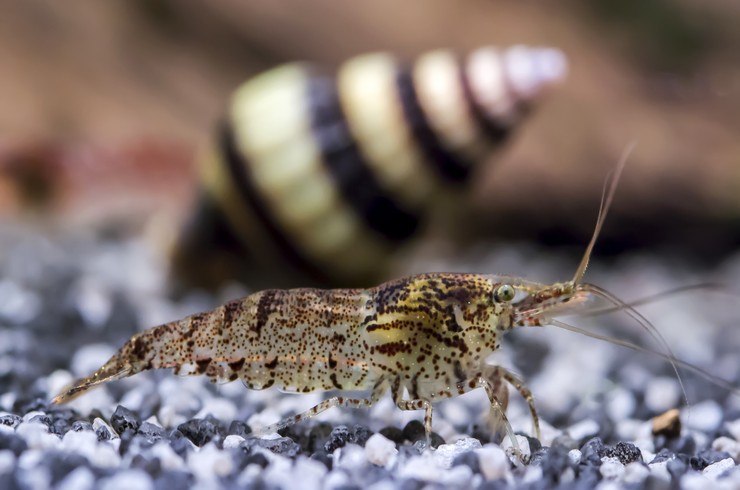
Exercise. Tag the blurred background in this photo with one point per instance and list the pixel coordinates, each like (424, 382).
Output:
(106, 105)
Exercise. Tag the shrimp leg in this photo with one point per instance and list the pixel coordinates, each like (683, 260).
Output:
(335, 401)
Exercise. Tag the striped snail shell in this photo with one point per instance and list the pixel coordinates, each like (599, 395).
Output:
(330, 175)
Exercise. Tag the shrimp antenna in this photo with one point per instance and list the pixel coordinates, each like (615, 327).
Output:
(610, 187)
(716, 380)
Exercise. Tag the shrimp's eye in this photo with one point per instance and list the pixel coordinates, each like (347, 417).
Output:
(504, 293)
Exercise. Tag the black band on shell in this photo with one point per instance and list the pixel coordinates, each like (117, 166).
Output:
(341, 154)
(237, 166)
(451, 167)
(494, 131)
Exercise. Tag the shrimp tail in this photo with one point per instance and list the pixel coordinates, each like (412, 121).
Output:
(141, 353)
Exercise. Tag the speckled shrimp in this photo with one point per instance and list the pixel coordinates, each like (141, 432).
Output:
(426, 335)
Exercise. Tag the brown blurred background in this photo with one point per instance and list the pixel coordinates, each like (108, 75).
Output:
(139, 85)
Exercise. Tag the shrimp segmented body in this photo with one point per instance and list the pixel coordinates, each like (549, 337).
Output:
(427, 334)
(424, 338)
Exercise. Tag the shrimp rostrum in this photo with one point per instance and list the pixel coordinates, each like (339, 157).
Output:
(424, 337)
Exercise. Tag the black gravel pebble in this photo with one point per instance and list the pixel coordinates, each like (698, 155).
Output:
(123, 419)
(12, 442)
(61, 464)
(706, 457)
(469, 459)
(393, 433)
(103, 433)
(284, 446)
(238, 428)
(179, 443)
(151, 433)
(323, 457)
(360, 435)
(24, 405)
(151, 465)
(319, 436)
(201, 431)
(553, 461)
(174, 480)
(10, 420)
(80, 425)
(663, 455)
(127, 438)
(414, 432)
(676, 468)
(587, 478)
(625, 452)
(256, 458)
(41, 419)
(592, 451)
(339, 437)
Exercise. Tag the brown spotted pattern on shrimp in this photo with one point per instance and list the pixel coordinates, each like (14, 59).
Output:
(426, 335)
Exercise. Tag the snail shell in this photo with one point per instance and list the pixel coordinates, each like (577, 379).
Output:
(330, 175)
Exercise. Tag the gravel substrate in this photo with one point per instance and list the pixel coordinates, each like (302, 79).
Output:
(66, 304)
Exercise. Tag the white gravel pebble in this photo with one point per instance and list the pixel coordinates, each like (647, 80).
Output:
(128, 480)
(169, 459)
(7, 461)
(731, 446)
(457, 477)
(94, 400)
(713, 471)
(446, 453)
(339, 479)
(694, 481)
(548, 433)
(421, 468)
(37, 435)
(705, 416)
(660, 471)
(279, 473)
(80, 478)
(611, 468)
(86, 444)
(305, 474)
(210, 462)
(630, 429)
(90, 357)
(17, 303)
(170, 416)
(233, 441)
(662, 393)
(532, 474)
(574, 456)
(93, 301)
(619, 404)
(100, 423)
(380, 450)
(635, 472)
(33, 413)
(57, 381)
(221, 408)
(515, 456)
(733, 427)
(351, 457)
(494, 463)
(584, 428)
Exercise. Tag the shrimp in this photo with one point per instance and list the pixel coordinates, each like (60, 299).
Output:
(424, 338)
